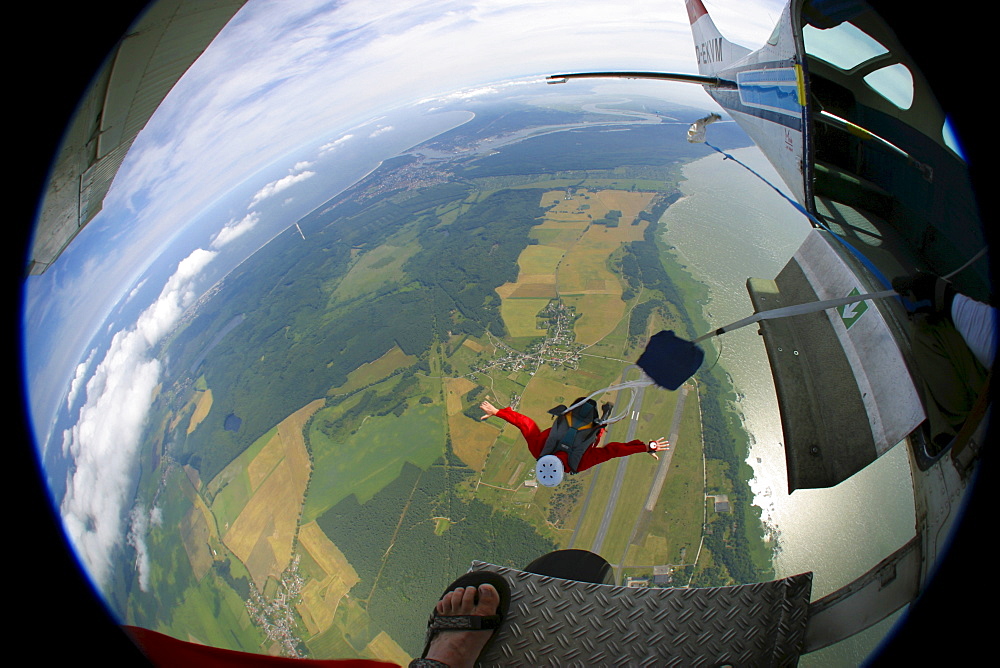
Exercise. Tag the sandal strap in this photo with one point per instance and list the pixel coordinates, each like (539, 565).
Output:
(427, 663)
(463, 622)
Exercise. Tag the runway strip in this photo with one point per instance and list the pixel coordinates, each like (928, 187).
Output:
(642, 520)
(609, 510)
(661, 472)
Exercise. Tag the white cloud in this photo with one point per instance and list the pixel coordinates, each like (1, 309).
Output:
(103, 443)
(139, 522)
(234, 229)
(76, 384)
(333, 145)
(135, 290)
(480, 91)
(380, 131)
(275, 187)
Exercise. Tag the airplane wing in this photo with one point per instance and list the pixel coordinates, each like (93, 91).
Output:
(138, 74)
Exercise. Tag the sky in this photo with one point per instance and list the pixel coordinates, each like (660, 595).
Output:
(283, 77)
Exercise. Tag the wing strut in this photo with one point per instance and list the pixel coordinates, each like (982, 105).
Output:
(714, 82)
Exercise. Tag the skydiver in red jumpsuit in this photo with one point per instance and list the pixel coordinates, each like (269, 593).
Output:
(593, 456)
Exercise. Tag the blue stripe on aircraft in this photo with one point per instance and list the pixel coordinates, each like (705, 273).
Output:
(730, 100)
(772, 89)
(768, 91)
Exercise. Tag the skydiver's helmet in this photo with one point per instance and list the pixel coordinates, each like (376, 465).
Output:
(549, 470)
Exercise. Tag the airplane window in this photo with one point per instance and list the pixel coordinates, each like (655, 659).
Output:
(894, 83)
(844, 46)
(775, 34)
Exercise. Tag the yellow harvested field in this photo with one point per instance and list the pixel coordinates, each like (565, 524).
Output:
(608, 238)
(571, 262)
(192, 475)
(506, 290)
(262, 535)
(201, 410)
(583, 272)
(537, 278)
(262, 465)
(562, 219)
(563, 238)
(454, 389)
(320, 598)
(538, 259)
(196, 530)
(473, 346)
(520, 316)
(535, 291)
(630, 204)
(326, 554)
(576, 221)
(291, 427)
(471, 440)
(175, 418)
(600, 314)
(384, 648)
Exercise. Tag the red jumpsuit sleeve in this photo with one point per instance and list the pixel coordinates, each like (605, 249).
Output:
(534, 437)
(594, 456)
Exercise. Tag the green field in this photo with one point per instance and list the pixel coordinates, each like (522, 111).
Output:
(174, 602)
(382, 266)
(213, 614)
(372, 456)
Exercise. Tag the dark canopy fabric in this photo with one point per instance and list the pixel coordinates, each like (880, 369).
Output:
(670, 360)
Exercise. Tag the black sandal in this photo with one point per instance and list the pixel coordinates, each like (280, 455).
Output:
(437, 623)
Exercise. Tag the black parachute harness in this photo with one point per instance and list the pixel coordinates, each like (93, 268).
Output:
(576, 429)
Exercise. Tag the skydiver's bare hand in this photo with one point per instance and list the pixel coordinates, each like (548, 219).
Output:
(489, 409)
(660, 444)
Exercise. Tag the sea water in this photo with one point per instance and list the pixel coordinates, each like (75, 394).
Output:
(728, 227)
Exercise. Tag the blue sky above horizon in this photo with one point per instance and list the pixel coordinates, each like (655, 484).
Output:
(284, 85)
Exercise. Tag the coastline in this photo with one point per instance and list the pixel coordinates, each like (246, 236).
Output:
(759, 536)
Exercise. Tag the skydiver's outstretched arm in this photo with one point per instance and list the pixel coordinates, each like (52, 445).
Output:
(594, 456)
(533, 436)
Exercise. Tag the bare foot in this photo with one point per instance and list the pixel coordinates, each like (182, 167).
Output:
(460, 649)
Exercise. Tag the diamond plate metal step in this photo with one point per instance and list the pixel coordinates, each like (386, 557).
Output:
(556, 622)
